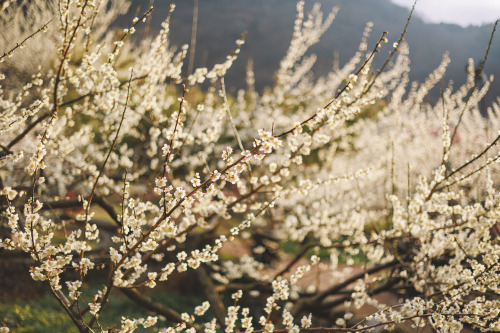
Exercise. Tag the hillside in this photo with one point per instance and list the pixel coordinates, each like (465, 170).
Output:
(269, 26)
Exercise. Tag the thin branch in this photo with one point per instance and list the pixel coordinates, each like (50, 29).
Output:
(79, 323)
(321, 296)
(192, 48)
(298, 256)
(436, 188)
(489, 162)
(111, 148)
(108, 290)
(20, 45)
(476, 81)
(387, 286)
(392, 52)
(340, 91)
(75, 203)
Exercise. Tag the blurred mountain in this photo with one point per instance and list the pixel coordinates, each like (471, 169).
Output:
(269, 26)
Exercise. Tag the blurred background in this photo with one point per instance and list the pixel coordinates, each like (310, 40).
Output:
(269, 26)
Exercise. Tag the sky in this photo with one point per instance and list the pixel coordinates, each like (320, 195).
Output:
(462, 12)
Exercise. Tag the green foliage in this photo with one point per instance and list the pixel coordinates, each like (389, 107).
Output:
(40, 316)
(44, 314)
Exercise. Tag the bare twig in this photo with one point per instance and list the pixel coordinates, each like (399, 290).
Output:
(21, 44)
(192, 48)
(108, 290)
(476, 81)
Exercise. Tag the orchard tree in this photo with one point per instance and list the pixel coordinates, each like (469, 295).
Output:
(372, 187)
